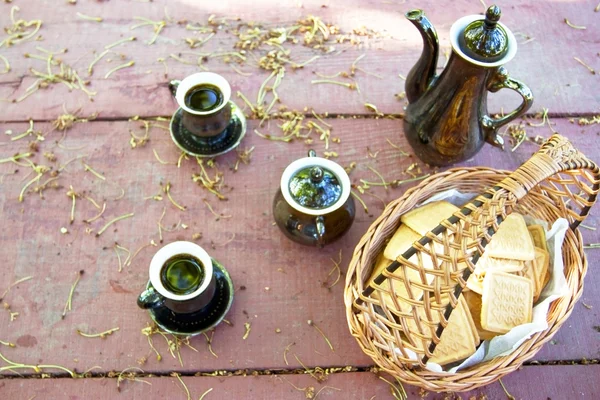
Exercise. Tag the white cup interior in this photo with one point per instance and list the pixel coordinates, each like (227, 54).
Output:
(307, 162)
(198, 79)
(173, 249)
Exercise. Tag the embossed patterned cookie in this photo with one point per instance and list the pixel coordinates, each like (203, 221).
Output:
(512, 240)
(459, 339)
(507, 301)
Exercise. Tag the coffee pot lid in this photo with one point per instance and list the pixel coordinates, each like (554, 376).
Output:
(315, 187)
(485, 39)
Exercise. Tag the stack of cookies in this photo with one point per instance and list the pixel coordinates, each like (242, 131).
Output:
(499, 295)
(508, 277)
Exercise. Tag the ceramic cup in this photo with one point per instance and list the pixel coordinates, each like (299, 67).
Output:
(203, 123)
(157, 295)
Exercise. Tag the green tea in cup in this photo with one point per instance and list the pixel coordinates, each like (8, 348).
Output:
(182, 274)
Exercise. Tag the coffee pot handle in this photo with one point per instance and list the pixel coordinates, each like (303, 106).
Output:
(501, 80)
(173, 85)
(150, 298)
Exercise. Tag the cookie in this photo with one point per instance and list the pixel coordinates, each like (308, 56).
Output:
(459, 339)
(507, 301)
(399, 285)
(474, 304)
(427, 217)
(529, 273)
(542, 263)
(538, 235)
(512, 240)
(400, 242)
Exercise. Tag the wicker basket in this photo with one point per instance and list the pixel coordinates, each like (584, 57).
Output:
(558, 181)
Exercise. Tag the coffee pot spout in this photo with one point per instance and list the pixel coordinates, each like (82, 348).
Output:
(422, 73)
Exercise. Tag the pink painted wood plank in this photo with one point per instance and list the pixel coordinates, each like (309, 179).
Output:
(546, 64)
(258, 257)
(551, 382)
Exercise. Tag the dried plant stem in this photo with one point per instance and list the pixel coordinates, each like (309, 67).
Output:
(209, 343)
(219, 216)
(15, 284)
(580, 61)
(36, 368)
(285, 351)
(71, 292)
(128, 263)
(90, 169)
(205, 393)
(306, 369)
(102, 335)
(95, 217)
(398, 392)
(247, 328)
(126, 65)
(31, 182)
(361, 201)
(88, 198)
(508, 395)
(167, 191)
(9, 344)
(574, 26)
(6, 64)
(311, 323)
(158, 158)
(15, 158)
(336, 267)
(112, 221)
(118, 42)
(130, 376)
(88, 18)
(185, 388)
(98, 58)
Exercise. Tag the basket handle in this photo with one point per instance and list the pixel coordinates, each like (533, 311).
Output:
(556, 155)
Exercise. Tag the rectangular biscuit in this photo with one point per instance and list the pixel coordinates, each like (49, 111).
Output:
(512, 240)
(427, 217)
(487, 263)
(538, 235)
(507, 301)
(541, 263)
(529, 273)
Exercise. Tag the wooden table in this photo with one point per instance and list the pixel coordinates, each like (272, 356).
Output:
(279, 285)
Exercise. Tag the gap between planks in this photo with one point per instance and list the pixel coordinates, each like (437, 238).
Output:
(261, 372)
(309, 115)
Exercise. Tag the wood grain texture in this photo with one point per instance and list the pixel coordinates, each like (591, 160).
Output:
(546, 64)
(551, 382)
(258, 256)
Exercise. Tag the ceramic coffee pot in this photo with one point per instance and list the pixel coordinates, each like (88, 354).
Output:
(207, 122)
(313, 205)
(447, 120)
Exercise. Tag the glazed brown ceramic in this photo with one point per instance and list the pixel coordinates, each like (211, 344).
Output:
(318, 209)
(447, 120)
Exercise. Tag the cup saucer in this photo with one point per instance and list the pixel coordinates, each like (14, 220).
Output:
(212, 146)
(191, 324)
